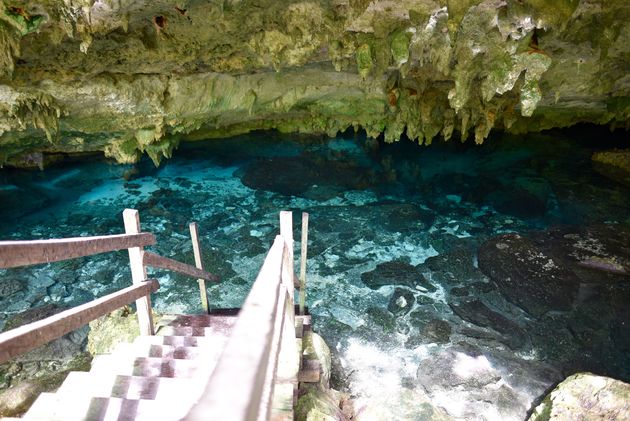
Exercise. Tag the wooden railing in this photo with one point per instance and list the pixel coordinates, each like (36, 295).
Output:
(21, 253)
(261, 355)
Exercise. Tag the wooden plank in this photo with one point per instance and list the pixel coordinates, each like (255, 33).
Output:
(30, 336)
(203, 293)
(131, 218)
(22, 253)
(289, 362)
(243, 364)
(303, 250)
(161, 262)
(264, 409)
(286, 231)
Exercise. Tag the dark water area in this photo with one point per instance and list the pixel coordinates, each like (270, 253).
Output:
(451, 281)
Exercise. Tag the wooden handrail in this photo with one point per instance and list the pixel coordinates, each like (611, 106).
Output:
(30, 336)
(23, 253)
(161, 262)
(243, 365)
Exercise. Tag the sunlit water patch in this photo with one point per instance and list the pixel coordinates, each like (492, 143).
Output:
(420, 259)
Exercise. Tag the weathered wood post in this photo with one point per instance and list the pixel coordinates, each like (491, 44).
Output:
(194, 236)
(138, 272)
(303, 250)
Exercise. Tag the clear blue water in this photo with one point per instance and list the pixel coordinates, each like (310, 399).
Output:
(369, 204)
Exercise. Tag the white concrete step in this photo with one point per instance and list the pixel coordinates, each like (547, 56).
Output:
(130, 365)
(52, 407)
(202, 343)
(192, 331)
(144, 349)
(85, 384)
(188, 341)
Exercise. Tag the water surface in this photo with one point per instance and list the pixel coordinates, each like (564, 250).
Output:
(394, 239)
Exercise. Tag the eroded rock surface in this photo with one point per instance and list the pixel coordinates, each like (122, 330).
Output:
(526, 276)
(396, 273)
(585, 396)
(126, 78)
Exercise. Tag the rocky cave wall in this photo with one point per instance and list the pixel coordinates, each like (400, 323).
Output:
(128, 77)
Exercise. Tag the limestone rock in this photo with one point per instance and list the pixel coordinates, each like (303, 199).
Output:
(31, 315)
(401, 302)
(83, 77)
(526, 276)
(26, 380)
(438, 331)
(8, 287)
(110, 330)
(18, 399)
(585, 396)
(614, 164)
(317, 404)
(396, 273)
(314, 347)
(478, 313)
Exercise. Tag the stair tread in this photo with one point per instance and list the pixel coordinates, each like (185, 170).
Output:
(152, 367)
(203, 331)
(81, 383)
(53, 407)
(147, 349)
(182, 340)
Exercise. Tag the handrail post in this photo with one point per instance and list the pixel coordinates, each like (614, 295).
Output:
(138, 272)
(194, 236)
(286, 231)
(303, 250)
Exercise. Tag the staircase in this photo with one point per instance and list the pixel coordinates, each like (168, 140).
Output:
(199, 367)
(154, 378)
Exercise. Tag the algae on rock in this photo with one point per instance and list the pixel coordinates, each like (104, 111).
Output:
(110, 74)
(585, 396)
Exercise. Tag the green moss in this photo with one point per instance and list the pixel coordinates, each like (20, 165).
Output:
(316, 405)
(556, 13)
(364, 60)
(400, 47)
(110, 330)
(21, 20)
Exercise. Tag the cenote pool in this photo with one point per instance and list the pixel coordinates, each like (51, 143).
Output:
(450, 281)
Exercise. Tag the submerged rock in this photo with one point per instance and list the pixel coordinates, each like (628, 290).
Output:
(438, 331)
(478, 313)
(455, 267)
(585, 396)
(470, 382)
(597, 254)
(396, 273)
(526, 276)
(8, 287)
(401, 302)
(295, 175)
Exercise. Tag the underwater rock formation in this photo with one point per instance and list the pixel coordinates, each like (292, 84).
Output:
(131, 77)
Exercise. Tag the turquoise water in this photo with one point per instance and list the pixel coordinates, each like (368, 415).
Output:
(396, 329)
